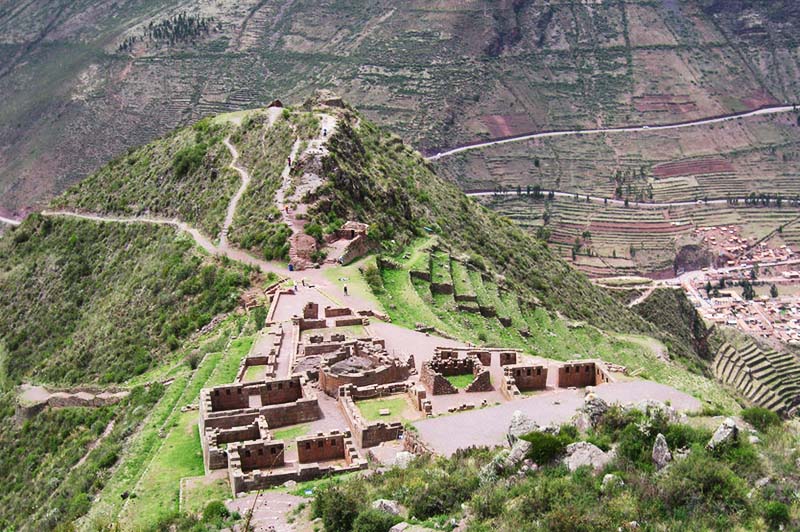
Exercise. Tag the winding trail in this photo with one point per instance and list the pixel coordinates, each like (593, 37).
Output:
(622, 129)
(245, 175)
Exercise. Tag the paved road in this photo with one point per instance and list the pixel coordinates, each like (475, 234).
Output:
(623, 129)
(488, 426)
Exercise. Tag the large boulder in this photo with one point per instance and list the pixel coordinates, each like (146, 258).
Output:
(661, 454)
(653, 407)
(726, 434)
(518, 452)
(520, 425)
(583, 453)
(591, 413)
(387, 505)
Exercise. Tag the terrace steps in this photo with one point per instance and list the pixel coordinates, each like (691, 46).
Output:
(765, 377)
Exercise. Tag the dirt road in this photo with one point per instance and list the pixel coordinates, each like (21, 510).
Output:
(488, 426)
(623, 129)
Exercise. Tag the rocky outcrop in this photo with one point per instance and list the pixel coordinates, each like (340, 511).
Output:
(520, 425)
(387, 505)
(726, 434)
(661, 454)
(591, 413)
(583, 453)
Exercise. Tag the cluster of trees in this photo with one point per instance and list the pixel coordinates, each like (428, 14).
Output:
(764, 199)
(535, 191)
(177, 29)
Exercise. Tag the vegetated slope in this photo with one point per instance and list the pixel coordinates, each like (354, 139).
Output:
(374, 178)
(45, 483)
(84, 81)
(182, 175)
(264, 149)
(672, 312)
(84, 301)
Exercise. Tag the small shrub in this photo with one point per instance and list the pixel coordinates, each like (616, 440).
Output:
(337, 507)
(760, 418)
(373, 277)
(215, 511)
(374, 521)
(546, 447)
(776, 514)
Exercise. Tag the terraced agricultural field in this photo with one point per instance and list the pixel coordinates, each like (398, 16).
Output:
(765, 377)
(756, 154)
(616, 240)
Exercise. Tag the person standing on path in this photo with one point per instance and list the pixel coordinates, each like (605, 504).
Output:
(345, 289)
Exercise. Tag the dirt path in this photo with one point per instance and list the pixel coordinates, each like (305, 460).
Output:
(642, 297)
(624, 129)
(245, 175)
(9, 221)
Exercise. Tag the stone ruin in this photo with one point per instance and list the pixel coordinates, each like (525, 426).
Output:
(582, 373)
(235, 423)
(361, 362)
(524, 377)
(434, 373)
(262, 464)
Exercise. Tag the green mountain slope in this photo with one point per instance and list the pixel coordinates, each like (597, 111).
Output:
(85, 301)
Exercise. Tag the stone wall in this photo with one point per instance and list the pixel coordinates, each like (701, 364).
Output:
(354, 320)
(260, 454)
(322, 447)
(357, 248)
(434, 382)
(335, 312)
(311, 311)
(523, 377)
(581, 374)
(481, 383)
(369, 434)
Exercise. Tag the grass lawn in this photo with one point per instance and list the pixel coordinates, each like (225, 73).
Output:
(199, 491)
(291, 433)
(397, 406)
(461, 381)
(356, 285)
(254, 373)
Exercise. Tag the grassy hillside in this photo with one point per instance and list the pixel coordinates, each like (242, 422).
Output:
(84, 301)
(183, 175)
(50, 473)
(375, 178)
(264, 149)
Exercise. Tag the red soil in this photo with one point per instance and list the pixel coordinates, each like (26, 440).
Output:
(500, 126)
(692, 167)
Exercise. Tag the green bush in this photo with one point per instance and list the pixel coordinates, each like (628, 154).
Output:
(546, 447)
(373, 277)
(214, 512)
(701, 483)
(371, 520)
(338, 508)
(776, 514)
(760, 418)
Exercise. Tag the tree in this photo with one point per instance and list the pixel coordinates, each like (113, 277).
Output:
(748, 292)
(773, 291)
